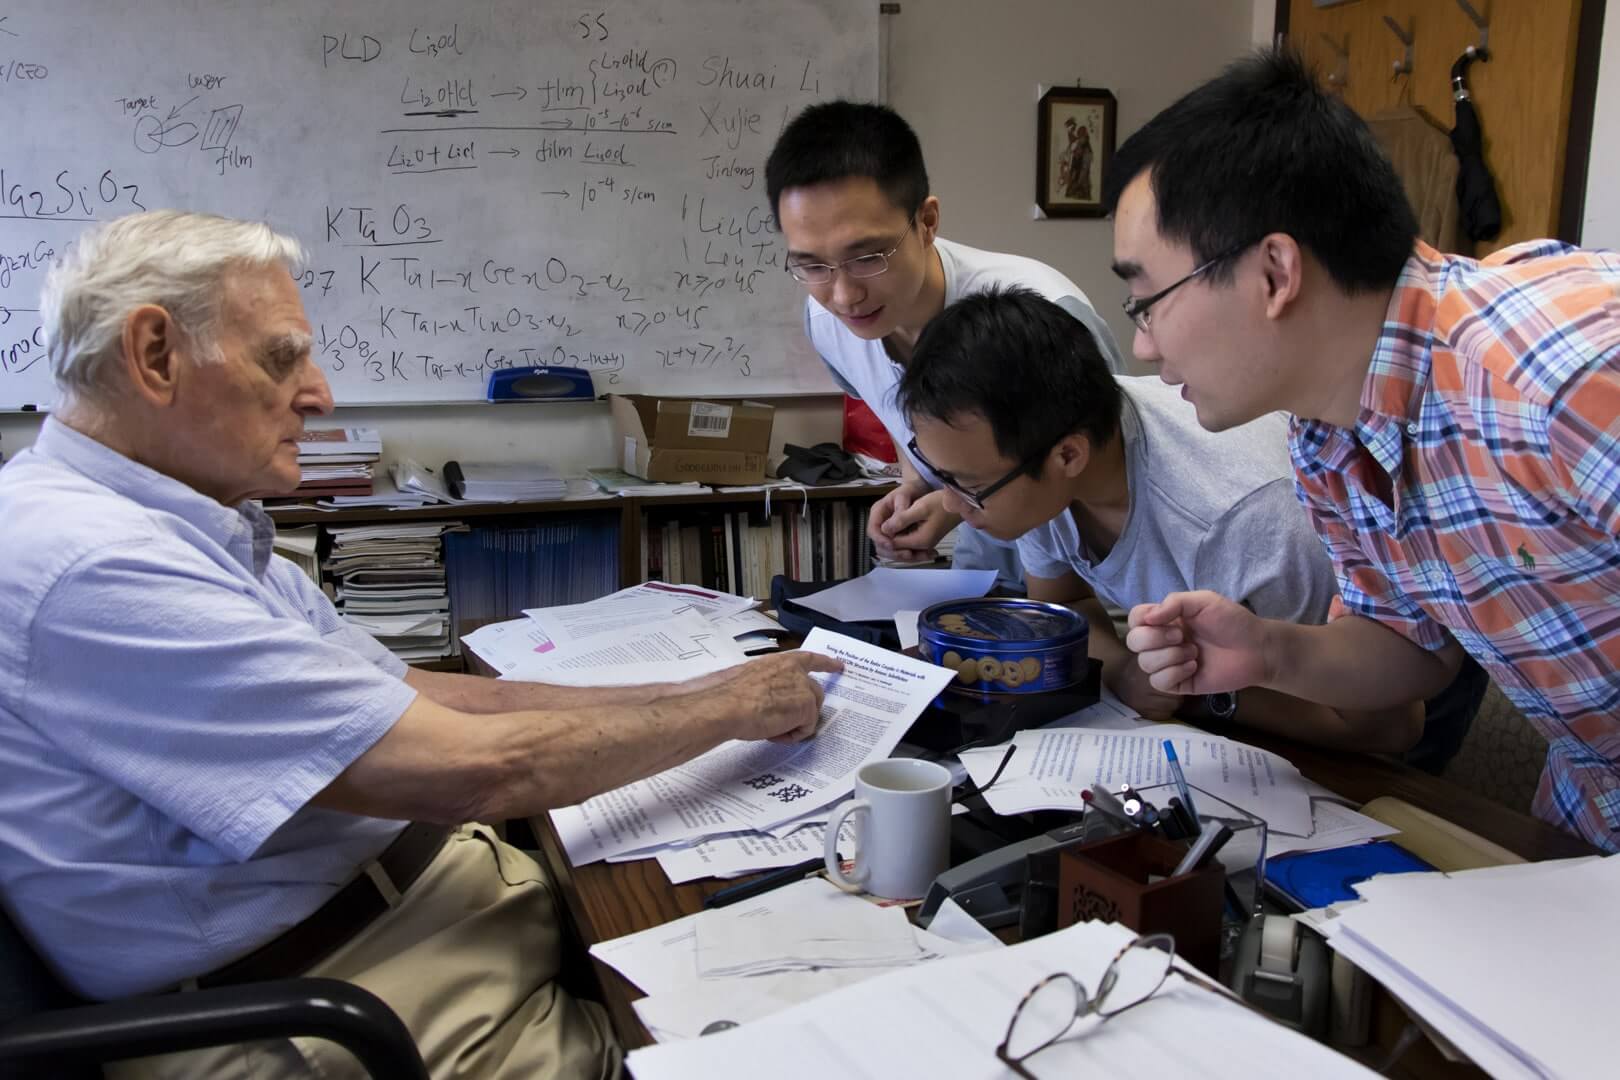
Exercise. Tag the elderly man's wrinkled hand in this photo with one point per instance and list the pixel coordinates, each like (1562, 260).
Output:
(775, 696)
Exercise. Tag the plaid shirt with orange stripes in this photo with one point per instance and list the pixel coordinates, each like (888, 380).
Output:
(1491, 416)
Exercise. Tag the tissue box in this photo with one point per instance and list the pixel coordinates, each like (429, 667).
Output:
(677, 440)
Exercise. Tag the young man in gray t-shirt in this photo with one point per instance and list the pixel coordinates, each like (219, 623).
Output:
(1117, 496)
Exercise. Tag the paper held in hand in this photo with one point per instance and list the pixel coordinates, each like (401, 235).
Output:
(741, 785)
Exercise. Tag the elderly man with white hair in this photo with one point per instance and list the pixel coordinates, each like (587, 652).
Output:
(208, 774)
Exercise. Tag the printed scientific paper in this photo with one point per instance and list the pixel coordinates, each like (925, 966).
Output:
(745, 853)
(751, 621)
(505, 645)
(741, 786)
(634, 607)
(1053, 765)
(676, 648)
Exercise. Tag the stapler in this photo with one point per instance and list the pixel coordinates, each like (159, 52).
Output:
(991, 887)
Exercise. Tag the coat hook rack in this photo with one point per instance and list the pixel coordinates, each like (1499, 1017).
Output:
(1481, 24)
(1340, 75)
(1459, 70)
(1402, 66)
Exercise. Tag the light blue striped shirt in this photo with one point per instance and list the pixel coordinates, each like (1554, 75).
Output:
(171, 696)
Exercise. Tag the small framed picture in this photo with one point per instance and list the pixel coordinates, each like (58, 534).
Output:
(1074, 140)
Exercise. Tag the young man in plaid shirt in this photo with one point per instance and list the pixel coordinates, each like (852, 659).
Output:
(1456, 432)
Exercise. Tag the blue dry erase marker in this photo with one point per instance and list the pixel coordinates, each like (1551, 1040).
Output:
(1181, 783)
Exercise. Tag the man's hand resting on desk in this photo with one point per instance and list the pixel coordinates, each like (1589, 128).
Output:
(908, 523)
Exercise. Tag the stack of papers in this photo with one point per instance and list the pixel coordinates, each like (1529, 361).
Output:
(746, 853)
(658, 645)
(487, 482)
(619, 482)
(674, 649)
(384, 492)
(1054, 764)
(1514, 965)
(663, 961)
(944, 1019)
(754, 786)
(390, 582)
(836, 934)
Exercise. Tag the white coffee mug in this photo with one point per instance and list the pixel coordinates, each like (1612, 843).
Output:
(902, 829)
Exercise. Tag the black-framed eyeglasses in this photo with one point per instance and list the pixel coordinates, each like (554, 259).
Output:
(1055, 1004)
(1137, 307)
(976, 499)
(861, 266)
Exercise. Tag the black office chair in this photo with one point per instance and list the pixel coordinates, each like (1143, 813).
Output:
(45, 1030)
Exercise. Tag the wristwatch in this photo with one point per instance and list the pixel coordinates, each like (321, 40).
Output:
(1215, 713)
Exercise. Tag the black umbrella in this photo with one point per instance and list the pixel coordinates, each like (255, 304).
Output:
(1476, 191)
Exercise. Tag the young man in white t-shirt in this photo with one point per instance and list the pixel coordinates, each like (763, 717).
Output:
(1115, 494)
(848, 187)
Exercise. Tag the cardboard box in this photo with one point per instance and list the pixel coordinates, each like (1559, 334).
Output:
(676, 440)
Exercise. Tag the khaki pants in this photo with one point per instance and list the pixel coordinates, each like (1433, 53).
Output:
(468, 961)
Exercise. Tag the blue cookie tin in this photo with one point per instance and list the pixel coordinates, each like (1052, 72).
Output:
(1005, 646)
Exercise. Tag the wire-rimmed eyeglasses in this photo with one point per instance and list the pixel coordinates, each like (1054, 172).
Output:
(1137, 307)
(1053, 1006)
(861, 266)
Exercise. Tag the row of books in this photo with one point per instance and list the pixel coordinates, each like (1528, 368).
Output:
(740, 551)
(497, 572)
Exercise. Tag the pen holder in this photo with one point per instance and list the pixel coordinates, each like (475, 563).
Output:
(1124, 879)
(1248, 837)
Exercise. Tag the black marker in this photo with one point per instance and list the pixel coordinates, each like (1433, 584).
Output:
(731, 894)
(1184, 820)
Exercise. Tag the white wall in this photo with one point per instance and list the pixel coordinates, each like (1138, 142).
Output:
(1600, 223)
(964, 72)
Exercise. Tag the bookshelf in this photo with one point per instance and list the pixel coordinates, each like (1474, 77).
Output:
(629, 514)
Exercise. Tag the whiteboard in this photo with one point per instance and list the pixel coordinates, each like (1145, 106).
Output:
(487, 184)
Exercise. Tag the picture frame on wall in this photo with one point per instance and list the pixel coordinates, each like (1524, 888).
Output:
(1074, 141)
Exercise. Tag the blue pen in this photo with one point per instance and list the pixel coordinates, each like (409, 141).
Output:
(1181, 783)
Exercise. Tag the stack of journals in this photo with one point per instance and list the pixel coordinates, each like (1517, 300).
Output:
(338, 461)
(389, 580)
(484, 482)
(739, 552)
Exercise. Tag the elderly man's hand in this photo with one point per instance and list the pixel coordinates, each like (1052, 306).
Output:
(775, 697)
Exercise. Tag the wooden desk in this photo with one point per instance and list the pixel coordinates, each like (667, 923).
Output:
(608, 900)
(1364, 777)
